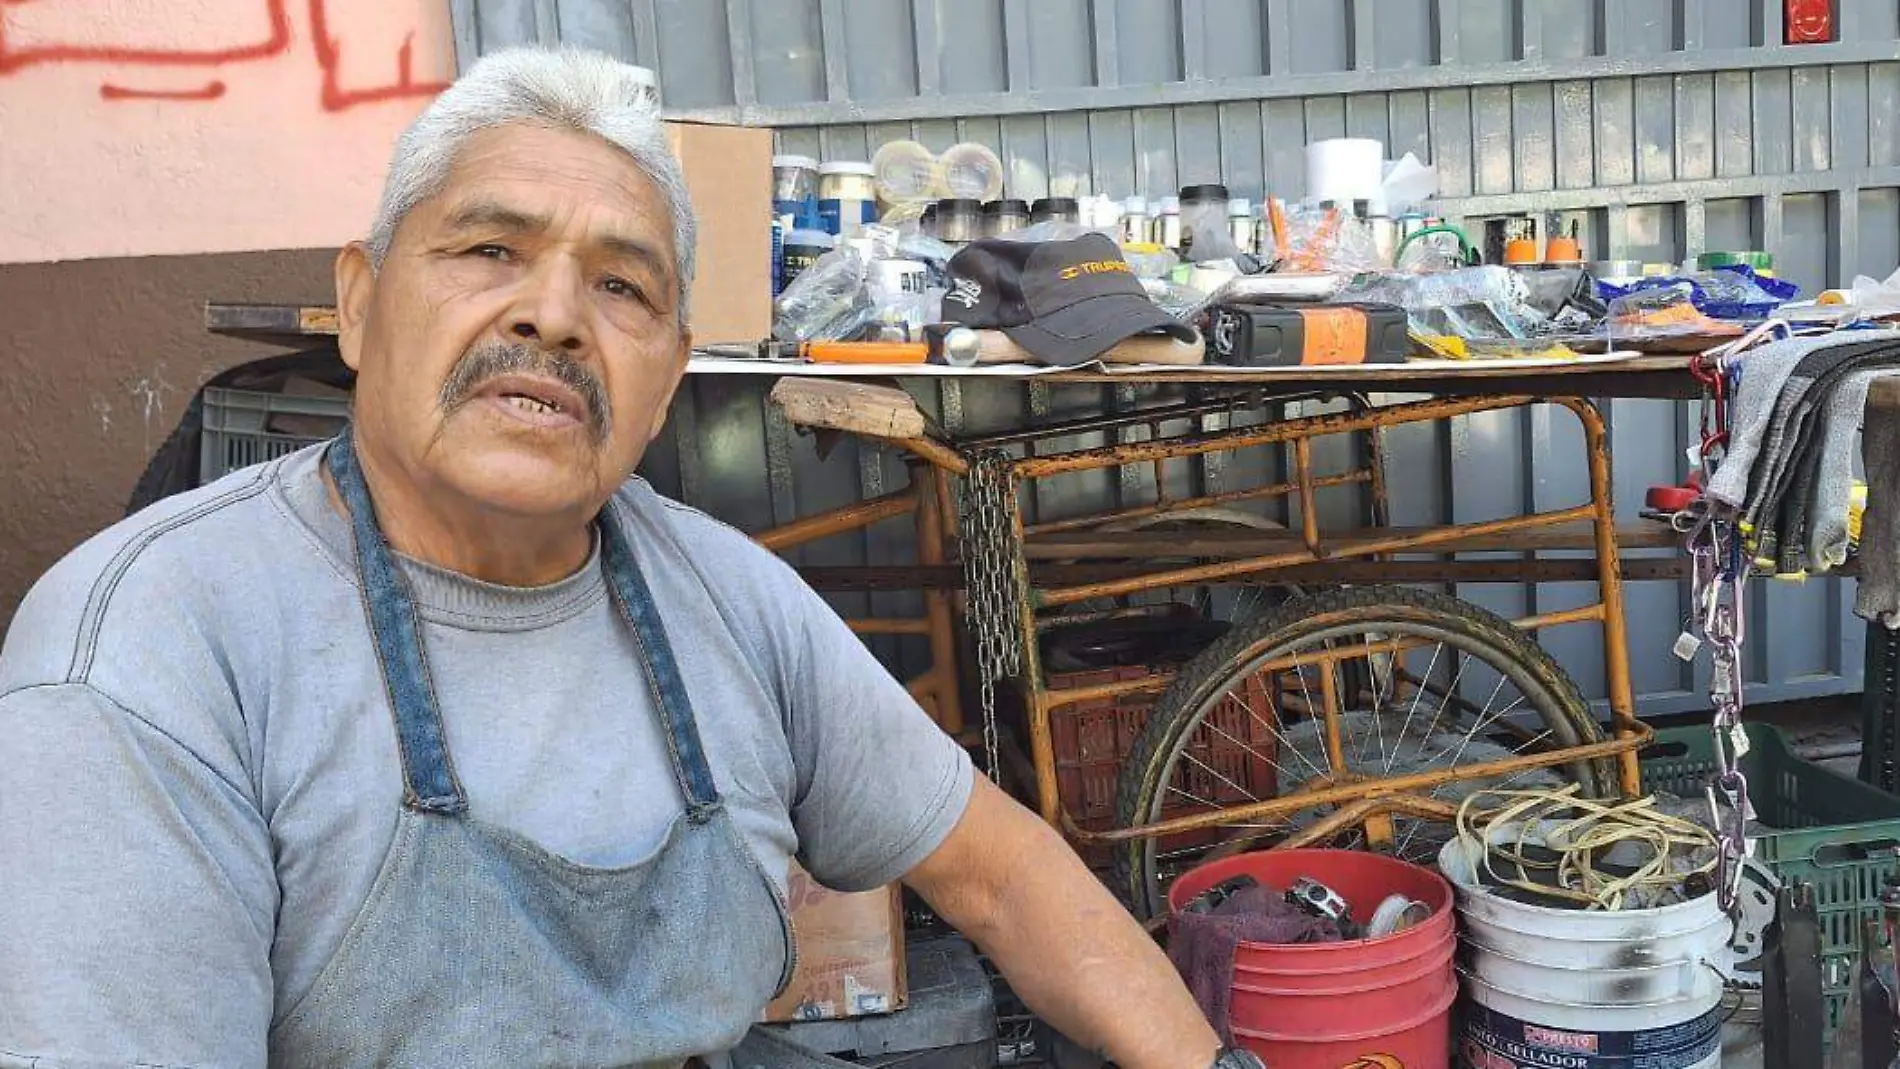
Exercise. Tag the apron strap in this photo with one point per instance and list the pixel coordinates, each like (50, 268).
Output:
(429, 781)
(635, 601)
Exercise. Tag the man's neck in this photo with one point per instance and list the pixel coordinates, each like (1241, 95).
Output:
(492, 547)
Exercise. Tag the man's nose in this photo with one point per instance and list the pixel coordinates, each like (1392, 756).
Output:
(551, 311)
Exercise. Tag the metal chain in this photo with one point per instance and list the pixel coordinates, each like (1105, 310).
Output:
(988, 536)
(1718, 578)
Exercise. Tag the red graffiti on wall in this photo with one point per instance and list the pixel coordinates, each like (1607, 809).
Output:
(270, 40)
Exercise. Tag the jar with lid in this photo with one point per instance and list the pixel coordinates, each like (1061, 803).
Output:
(927, 222)
(959, 221)
(1167, 226)
(847, 196)
(1136, 227)
(1003, 216)
(1240, 224)
(794, 183)
(1203, 214)
(1055, 209)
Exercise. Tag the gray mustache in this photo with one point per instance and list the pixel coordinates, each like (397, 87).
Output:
(490, 359)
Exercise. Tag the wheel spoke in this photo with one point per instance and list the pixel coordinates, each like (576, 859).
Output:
(1419, 693)
(1363, 638)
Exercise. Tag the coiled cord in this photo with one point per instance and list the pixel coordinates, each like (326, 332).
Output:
(1577, 831)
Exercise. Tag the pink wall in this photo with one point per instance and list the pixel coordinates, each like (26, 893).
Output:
(155, 127)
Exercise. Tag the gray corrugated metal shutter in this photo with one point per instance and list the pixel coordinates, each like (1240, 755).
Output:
(1676, 125)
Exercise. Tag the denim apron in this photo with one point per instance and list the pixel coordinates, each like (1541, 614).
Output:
(475, 947)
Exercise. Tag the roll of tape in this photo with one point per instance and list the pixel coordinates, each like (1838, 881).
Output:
(1396, 914)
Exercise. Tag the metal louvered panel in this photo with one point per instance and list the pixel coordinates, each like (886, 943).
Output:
(1672, 126)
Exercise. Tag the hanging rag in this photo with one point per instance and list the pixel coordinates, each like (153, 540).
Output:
(1782, 496)
(1764, 371)
(1833, 491)
(1202, 945)
(1879, 596)
(1792, 406)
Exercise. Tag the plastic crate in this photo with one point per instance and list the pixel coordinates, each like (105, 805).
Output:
(1232, 763)
(1831, 831)
(244, 427)
(949, 1022)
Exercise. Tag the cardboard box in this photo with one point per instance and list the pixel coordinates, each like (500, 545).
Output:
(850, 951)
(729, 178)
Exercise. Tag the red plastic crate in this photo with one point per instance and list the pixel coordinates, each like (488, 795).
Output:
(1093, 739)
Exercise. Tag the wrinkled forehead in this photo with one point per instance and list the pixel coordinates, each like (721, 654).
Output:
(565, 181)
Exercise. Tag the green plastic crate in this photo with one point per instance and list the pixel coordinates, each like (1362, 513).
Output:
(240, 428)
(1832, 831)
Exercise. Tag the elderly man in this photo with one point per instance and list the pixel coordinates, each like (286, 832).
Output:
(450, 743)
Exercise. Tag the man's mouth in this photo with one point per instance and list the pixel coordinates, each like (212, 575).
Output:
(539, 400)
(530, 404)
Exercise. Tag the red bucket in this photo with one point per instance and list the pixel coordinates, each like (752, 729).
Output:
(1368, 1004)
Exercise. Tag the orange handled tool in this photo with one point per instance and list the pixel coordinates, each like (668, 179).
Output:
(865, 352)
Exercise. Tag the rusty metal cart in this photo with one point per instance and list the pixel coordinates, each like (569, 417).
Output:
(1366, 711)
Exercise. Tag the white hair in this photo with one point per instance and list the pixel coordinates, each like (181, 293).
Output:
(566, 89)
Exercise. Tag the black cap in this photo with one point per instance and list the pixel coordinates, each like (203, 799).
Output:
(1066, 302)
(1212, 191)
(1056, 206)
(998, 207)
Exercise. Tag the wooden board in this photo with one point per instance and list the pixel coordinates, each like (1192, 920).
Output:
(860, 408)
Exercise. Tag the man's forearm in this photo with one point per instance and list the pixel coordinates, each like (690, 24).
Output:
(1067, 947)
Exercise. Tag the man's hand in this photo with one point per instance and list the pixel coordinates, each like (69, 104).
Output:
(1078, 959)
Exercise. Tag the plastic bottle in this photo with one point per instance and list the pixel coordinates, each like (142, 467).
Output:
(804, 244)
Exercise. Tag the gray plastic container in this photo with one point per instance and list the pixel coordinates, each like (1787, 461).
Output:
(950, 1022)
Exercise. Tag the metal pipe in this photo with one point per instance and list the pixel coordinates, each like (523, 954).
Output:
(1616, 663)
(929, 528)
(1153, 683)
(1381, 788)
(1309, 506)
(839, 520)
(1265, 434)
(1076, 523)
(890, 626)
(1091, 424)
(1231, 569)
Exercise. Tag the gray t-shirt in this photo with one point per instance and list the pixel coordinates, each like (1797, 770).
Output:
(199, 776)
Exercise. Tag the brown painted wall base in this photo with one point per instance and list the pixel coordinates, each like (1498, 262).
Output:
(98, 359)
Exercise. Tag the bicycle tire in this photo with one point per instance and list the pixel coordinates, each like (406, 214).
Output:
(1473, 631)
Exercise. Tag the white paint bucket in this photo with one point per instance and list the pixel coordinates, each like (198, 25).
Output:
(1573, 989)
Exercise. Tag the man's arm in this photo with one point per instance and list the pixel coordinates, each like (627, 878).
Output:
(137, 890)
(1077, 958)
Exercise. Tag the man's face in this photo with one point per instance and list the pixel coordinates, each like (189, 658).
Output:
(520, 344)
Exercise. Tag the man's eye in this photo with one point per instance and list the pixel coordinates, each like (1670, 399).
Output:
(492, 251)
(620, 287)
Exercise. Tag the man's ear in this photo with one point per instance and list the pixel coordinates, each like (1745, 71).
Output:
(679, 375)
(355, 282)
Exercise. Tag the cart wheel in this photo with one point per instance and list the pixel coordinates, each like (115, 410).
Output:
(1418, 680)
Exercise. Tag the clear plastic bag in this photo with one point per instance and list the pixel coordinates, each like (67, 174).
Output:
(1322, 240)
(1661, 312)
(826, 302)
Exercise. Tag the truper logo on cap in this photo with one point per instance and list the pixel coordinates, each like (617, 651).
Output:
(1094, 267)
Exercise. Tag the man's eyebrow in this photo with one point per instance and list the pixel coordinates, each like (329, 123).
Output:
(635, 249)
(490, 214)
